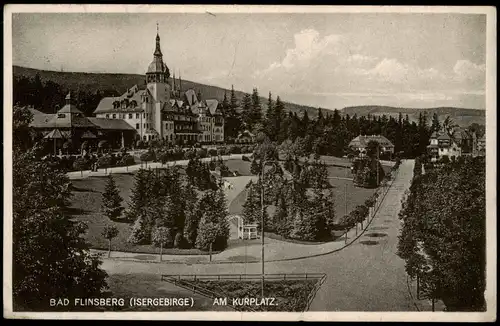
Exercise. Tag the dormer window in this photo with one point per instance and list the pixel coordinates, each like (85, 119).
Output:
(61, 116)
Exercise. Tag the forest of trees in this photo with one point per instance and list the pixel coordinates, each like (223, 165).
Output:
(191, 210)
(50, 257)
(443, 240)
(304, 203)
(328, 134)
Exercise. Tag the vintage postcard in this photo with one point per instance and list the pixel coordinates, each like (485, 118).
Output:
(289, 163)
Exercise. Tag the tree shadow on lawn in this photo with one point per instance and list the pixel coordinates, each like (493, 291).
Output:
(376, 235)
(75, 211)
(81, 189)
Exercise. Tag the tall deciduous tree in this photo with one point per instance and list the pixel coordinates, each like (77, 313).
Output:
(109, 232)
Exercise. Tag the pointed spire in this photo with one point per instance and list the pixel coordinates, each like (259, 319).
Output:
(180, 82)
(157, 49)
(173, 83)
(68, 98)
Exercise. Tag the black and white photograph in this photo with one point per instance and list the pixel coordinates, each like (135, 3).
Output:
(250, 162)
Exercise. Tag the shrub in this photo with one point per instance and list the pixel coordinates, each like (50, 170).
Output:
(179, 240)
(201, 153)
(234, 149)
(207, 234)
(104, 162)
(189, 154)
(81, 164)
(148, 156)
(370, 202)
(103, 144)
(141, 232)
(162, 236)
(139, 144)
(212, 152)
(127, 160)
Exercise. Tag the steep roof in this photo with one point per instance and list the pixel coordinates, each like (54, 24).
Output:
(111, 124)
(362, 141)
(444, 136)
(132, 94)
(435, 135)
(70, 108)
(212, 106)
(190, 96)
(69, 122)
(40, 119)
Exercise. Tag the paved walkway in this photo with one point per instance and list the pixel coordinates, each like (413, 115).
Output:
(250, 250)
(78, 175)
(369, 276)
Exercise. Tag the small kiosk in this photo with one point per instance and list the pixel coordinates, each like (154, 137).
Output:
(246, 231)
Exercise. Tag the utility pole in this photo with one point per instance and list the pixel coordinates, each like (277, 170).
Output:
(345, 209)
(378, 162)
(262, 218)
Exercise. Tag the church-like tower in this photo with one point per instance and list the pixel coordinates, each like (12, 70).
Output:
(157, 85)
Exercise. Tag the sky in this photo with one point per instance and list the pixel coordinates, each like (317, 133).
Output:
(328, 60)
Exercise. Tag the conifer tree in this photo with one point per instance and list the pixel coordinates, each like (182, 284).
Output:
(140, 193)
(111, 200)
(252, 205)
(256, 108)
(246, 115)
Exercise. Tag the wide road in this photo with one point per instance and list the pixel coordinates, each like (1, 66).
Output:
(366, 276)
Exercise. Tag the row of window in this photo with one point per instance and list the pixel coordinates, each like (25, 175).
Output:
(124, 116)
(138, 125)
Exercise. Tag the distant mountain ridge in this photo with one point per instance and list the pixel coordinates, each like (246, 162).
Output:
(120, 83)
(462, 116)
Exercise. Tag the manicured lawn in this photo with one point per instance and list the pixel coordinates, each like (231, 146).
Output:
(355, 196)
(239, 166)
(86, 207)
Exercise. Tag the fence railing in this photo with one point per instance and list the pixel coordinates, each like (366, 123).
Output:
(184, 281)
(311, 296)
(242, 277)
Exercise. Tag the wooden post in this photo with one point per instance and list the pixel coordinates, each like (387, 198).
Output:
(347, 230)
(161, 250)
(433, 306)
(210, 250)
(109, 250)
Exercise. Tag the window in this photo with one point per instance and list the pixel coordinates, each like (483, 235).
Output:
(137, 126)
(144, 125)
(130, 115)
(61, 115)
(144, 115)
(137, 115)
(114, 116)
(107, 116)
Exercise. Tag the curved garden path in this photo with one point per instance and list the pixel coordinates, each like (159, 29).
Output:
(365, 276)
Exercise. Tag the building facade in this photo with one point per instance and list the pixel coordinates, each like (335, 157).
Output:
(163, 111)
(461, 142)
(360, 143)
(71, 127)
